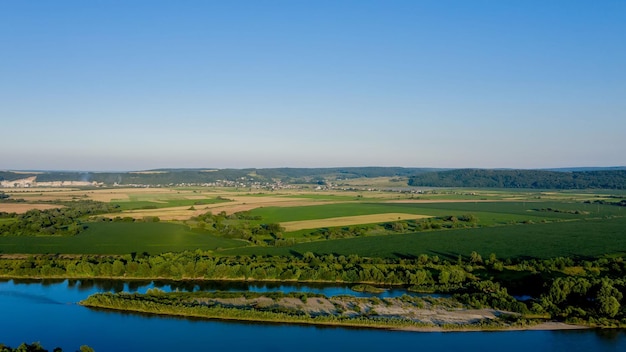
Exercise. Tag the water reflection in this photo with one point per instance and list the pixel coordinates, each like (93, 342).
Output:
(141, 286)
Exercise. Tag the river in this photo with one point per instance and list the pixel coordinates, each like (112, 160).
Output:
(47, 312)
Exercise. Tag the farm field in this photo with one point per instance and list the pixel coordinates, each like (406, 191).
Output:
(506, 222)
(488, 213)
(20, 208)
(348, 220)
(585, 238)
(120, 238)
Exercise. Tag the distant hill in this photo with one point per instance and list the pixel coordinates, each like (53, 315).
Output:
(533, 179)
(570, 178)
(201, 176)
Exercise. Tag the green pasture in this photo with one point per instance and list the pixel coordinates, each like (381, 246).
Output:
(582, 238)
(120, 238)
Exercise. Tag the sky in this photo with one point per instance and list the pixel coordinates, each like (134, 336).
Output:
(135, 85)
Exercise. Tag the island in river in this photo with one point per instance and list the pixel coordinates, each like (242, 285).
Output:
(404, 313)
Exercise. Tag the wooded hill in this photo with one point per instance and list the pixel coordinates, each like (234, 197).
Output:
(534, 179)
(199, 176)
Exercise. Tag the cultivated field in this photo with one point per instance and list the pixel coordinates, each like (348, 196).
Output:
(120, 238)
(20, 208)
(514, 223)
(348, 220)
(578, 239)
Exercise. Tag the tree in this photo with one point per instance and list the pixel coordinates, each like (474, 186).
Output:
(475, 258)
(608, 298)
(608, 306)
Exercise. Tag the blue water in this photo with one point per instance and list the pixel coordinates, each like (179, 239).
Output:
(47, 312)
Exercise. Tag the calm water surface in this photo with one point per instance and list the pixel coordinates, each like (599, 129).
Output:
(47, 312)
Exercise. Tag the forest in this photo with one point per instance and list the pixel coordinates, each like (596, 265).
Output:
(530, 179)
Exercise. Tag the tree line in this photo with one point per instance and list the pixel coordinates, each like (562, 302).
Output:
(532, 179)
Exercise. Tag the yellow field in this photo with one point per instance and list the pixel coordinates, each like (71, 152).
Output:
(105, 195)
(20, 208)
(239, 203)
(348, 220)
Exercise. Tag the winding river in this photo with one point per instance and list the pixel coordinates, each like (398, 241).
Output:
(46, 311)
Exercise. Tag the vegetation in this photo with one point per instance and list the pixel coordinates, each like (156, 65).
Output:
(578, 291)
(609, 178)
(165, 203)
(120, 237)
(293, 308)
(367, 288)
(37, 347)
(241, 225)
(534, 179)
(585, 238)
(169, 177)
(564, 249)
(67, 220)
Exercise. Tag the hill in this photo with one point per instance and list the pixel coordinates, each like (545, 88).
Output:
(165, 177)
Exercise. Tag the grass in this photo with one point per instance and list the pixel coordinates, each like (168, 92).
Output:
(166, 203)
(348, 220)
(330, 197)
(583, 238)
(120, 238)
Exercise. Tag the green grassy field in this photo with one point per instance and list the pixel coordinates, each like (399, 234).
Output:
(572, 238)
(120, 238)
(488, 213)
(164, 203)
(334, 197)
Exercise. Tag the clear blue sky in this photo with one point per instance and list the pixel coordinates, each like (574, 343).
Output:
(130, 85)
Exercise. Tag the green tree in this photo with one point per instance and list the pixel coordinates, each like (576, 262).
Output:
(608, 298)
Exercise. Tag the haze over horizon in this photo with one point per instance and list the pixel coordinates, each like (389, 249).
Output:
(138, 85)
